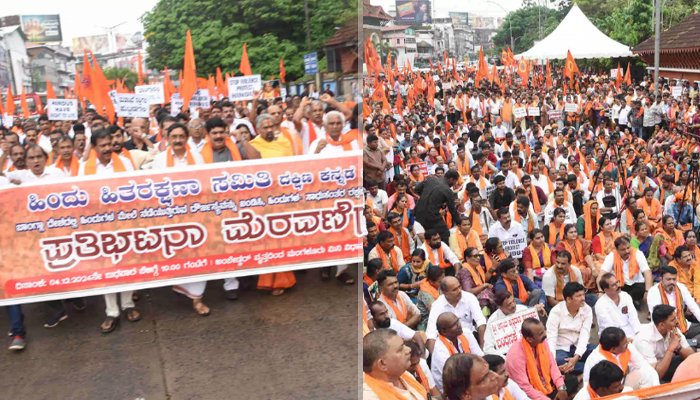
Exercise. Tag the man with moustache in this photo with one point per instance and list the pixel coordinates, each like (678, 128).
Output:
(67, 161)
(107, 163)
(382, 319)
(450, 341)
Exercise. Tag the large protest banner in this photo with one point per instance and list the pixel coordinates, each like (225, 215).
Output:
(93, 235)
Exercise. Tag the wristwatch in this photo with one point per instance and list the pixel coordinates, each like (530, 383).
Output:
(562, 388)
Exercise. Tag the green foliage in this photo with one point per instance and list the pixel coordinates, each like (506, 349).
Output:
(129, 76)
(271, 29)
(525, 22)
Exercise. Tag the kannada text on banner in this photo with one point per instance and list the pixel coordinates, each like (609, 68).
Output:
(92, 235)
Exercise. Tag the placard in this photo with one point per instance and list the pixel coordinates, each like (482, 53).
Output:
(554, 115)
(62, 109)
(8, 121)
(84, 236)
(520, 112)
(201, 99)
(570, 107)
(176, 104)
(243, 87)
(507, 331)
(155, 93)
(533, 111)
(677, 91)
(613, 74)
(132, 105)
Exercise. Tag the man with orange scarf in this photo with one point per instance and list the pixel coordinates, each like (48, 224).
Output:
(386, 250)
(531, 365)
(385, 361)
(607, 379)
(451, 340)
(671, 292)
(652, 208)
(615, 347)
(569, 329)
(106, 162)
(67, 161)
(554, 279)
(630, 268)
(397, 302)
(519, 285)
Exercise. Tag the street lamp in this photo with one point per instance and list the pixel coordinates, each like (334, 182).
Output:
(510, 26)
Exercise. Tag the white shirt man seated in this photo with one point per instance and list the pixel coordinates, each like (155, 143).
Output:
(509, 389)
(614, 347)
(661, 343)
(554, 279)
(451, 340)
(506, 307)
(671, 292)
(381, 319)
(615, 308)
(606, 379)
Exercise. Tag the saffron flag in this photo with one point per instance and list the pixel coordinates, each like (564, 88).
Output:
(570, 67)
(10, 102)
(139, 60)
(548, 81)
(23, 104)
(50, 94)
(618, 77)
(188, 83)
(244, 67)
(283, 73)
(628, 78)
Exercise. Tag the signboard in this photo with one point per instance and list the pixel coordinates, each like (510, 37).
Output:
(310, 63)
(201, 99)
(8, 120)
(42, 28)
(155, 93)
(533, 111)
(507, 331)
(62, 109)
(570, 107)
(554, 115)
(243, 87)
(613, 74)
(132, 105)
(677, 91)
(413, 12)
(520, 112)
(84, 236)
(176, 104)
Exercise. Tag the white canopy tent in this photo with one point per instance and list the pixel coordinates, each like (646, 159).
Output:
(578, 34)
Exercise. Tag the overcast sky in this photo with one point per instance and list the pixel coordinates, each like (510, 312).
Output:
(479, 7)
(83, 17)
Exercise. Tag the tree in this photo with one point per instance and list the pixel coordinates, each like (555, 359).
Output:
(524, 23)
(271, 29)
(129, 76)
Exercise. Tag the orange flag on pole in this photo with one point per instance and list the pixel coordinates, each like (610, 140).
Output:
(618, 77)
(221, 84)
(102, 91)
(548, 81)
(482, 71)
(244, 67)
(188, 83)
(139, 60)
(50, 94)
(86, 84)
(523, 70)
(283, 73)
(628, 78)
(10, 102)
(570, 68)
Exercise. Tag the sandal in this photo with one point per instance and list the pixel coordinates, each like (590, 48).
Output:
(345, 278)
(325, 274)
(200, 308)
(109, 324)
(278, 292)
(132, 314)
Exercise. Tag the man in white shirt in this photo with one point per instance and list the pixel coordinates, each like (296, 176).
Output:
(671, 292)
(559, 202)
(506, 307)
(569, 329)
(511, 234)
(382, 320)
(198, 135)
(35, 161)
(462, 304)
(509, 389)
(378, 198)
(615, 347)
(611, 196)
(512, 180)
(554, 279)
(420, 370)
(323, 126)
(439, 253)
(615, 308)
(385, 359)
(452, 339)
(606, 379)
(660, 342)
(633, 272)
(104, 164)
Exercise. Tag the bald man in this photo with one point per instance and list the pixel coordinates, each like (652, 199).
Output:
(277, 116)
(451, 340)
(138, 130)
(198, 135)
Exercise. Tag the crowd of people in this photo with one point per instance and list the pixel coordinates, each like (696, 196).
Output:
(266, 127)
(573, 202)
